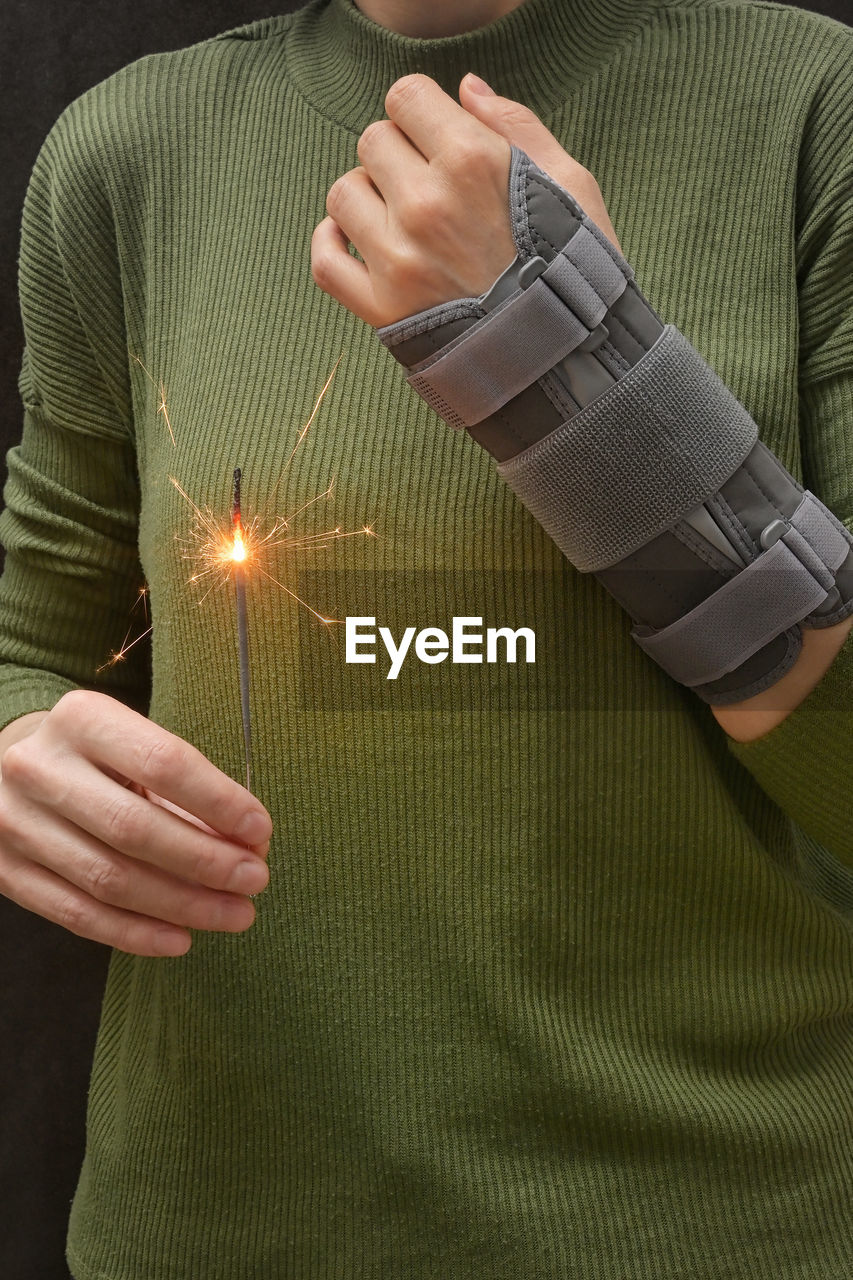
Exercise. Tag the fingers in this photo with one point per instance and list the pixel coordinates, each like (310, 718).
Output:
(359, 210)
(111, 878)
(261, 849)
(120, 740)
(37, 889)
(419, 246)
(395, 167)
(430, 118)
(339, 274)
(86, 842)
(120, 819)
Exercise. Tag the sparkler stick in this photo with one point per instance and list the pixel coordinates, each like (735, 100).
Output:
(238, 556)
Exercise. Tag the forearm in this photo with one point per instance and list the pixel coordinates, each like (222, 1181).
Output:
(637, 460)
(745, 721)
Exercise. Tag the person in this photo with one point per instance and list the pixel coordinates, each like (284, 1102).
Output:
(548, 974)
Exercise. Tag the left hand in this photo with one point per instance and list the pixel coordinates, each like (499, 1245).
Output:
(428, 208)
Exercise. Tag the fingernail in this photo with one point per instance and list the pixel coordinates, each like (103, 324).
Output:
(476, 85)
(249, 877)
(253, 828)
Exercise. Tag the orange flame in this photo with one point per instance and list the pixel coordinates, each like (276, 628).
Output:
(238, 551)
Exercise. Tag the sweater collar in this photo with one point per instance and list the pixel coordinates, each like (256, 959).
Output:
(343, 62)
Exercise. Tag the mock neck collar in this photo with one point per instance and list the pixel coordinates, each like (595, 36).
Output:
(344, 63)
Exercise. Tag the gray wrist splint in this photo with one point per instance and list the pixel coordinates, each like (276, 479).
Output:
(631, 452)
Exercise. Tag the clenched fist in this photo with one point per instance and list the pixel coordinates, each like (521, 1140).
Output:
(427, 209)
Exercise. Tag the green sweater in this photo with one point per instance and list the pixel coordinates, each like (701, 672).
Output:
(551, 979)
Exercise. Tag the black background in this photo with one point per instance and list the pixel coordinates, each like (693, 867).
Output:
(51, 982)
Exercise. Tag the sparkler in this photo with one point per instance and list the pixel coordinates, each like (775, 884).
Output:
(222, 549)
(238, 549)
(238, 555)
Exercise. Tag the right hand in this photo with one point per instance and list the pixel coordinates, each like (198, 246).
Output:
(124, 833)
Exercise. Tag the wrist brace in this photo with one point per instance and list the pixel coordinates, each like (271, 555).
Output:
(631, 452)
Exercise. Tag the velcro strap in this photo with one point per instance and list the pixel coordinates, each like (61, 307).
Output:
(576, 291)
(609, 247)
(780, 588)
(500, 356)
(597, 278)
(523, 338)
(632, 462)
(822, 530)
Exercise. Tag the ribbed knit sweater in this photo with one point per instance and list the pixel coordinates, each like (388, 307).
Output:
(551, 978)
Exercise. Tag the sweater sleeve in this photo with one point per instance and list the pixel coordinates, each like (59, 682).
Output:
(806, 763)
(69, 528)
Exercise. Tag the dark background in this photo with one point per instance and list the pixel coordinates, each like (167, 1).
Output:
(51, 983)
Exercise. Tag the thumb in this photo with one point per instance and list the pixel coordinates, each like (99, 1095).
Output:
(520, 126)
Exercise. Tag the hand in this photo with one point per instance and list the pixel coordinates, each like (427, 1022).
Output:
(123, 833)
(428, 208)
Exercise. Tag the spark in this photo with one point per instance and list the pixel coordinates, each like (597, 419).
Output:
(217, 546)
(304, 432)
(118, 655)
(161, 391)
